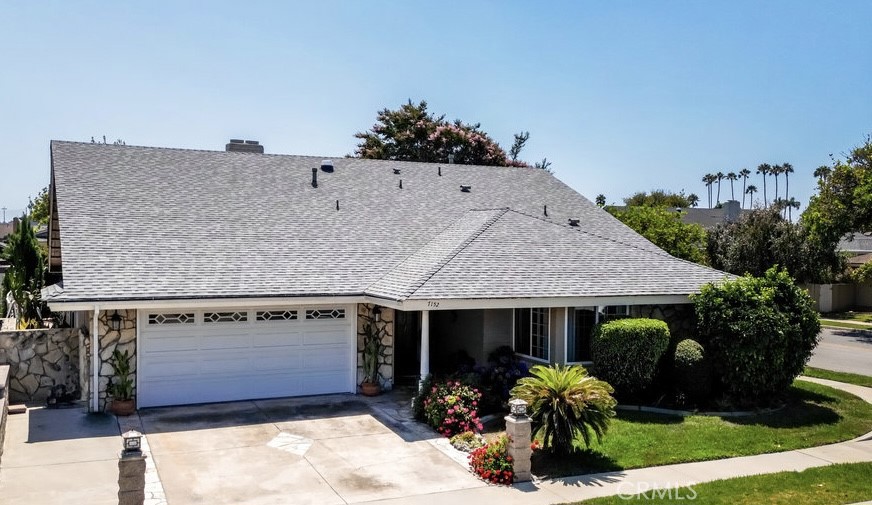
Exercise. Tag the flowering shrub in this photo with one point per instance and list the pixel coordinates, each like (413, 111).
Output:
(452, 407)
(492, 461)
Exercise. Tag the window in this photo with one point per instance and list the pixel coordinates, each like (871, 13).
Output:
(225, 317)
(276, 315)
(578, 343)
(532, 335)
(171, 319)
(325, 314)
(613, 312)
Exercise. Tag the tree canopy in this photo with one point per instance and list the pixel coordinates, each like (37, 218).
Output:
(39, 207)
(24, 279)
(661, 198)
(664, 228)
(762, 238)
(411, 133)
(843, 203)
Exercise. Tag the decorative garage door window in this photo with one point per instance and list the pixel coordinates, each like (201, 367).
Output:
(325, 314)
(186, 318)
(225, 317)
(276, 315)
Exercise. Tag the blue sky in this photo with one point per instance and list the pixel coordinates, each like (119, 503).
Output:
(620, 96)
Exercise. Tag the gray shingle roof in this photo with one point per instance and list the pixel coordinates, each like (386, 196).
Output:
(153, 223)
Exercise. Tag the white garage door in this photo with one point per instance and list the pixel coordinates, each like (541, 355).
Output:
(200, 356)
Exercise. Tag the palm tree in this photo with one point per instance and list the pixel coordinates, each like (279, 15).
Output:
(787, 168)
(750, 190)
(601, 200)
(744, 173)
(692, 199)
(720, 176)
(709, 179)
(822, 172)
(764, 169)
(776, 171)
(791, 204)
(732, 177)
(566, 404)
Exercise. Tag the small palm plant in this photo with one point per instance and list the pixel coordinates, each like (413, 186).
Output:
(566, 403)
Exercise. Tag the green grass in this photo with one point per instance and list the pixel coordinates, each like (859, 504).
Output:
(842, 324)
(831, 485)
(860, 317)
(813, 415)
(850, 378)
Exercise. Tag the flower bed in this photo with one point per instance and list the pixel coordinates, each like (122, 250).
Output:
(452, 407)
(492, 462)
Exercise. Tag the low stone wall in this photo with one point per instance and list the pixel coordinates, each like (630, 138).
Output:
(40, 359)
(385, 324)
(4, 403)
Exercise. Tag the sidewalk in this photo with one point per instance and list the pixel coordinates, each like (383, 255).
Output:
(583, 487)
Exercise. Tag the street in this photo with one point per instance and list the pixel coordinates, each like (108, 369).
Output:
(844, 351)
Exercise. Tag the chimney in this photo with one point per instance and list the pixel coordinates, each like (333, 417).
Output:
(732, 210)
(244, 146)
(451, 158)
(314, 177)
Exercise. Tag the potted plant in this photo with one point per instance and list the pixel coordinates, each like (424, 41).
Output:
(121, 384)
(372, 349)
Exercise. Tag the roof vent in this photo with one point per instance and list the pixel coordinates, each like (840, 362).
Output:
(327, 166)
(440, 171)
(573, 222)
(244, 146)
(465, 188)
(396, 171)
(314, 177)
(401, 184)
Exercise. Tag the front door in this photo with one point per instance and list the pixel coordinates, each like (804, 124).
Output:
(407, 347)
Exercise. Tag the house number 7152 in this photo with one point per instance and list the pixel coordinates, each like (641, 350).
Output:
(432, 304)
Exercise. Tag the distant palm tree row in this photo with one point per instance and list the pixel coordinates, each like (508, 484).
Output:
(785, 205)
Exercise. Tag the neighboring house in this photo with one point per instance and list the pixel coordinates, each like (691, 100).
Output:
(856, 244)
(235, 275)
(729, 212)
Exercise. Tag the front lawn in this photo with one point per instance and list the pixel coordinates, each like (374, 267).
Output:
(833, 485)
(814, 415)
(845, 324)
(850, 378)
(860, 317)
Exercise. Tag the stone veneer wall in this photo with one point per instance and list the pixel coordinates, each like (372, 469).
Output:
(681, 319)
(386, 324)
(40, 359)
(124, 340)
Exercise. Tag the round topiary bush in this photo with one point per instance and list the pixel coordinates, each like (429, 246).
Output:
(626, 353)
(758, 334)
(691, 370)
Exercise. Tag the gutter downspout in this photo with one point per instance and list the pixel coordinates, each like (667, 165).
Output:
(95, 360)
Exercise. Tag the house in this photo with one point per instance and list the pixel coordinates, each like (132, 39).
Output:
(855, 244)
(234, 274)
(728, 212)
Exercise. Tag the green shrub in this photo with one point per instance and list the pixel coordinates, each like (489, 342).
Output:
(758, 333)
(691, 370)
(492, 462)
(566, 403)
(626, 353)
(452, 407)
(418, 400)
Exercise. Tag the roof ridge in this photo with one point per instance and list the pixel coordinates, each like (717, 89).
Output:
(499, 212)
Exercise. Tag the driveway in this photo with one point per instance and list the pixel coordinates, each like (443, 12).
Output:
(844, 351)
(319, 450)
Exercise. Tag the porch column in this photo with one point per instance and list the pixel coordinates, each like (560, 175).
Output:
(425, 345)
(95, 360)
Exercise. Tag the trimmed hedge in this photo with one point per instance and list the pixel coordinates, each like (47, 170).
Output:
(691, 370)
(626, 353)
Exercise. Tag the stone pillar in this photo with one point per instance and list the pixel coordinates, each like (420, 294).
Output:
(425, 346)
(518, 431)
(131, 478)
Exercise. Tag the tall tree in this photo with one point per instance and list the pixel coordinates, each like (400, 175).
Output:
(776, 171)
(750, 192)
(709, 179)
(822, 172)
(787, 169)
(24, 279)
(732, 178)
(764, 169)
(744, 173)
(693, 199)
(791, 203)
(411, 133)
(658, 198)
(720, 177)
(601, 200)
(843, 203)
(39, 207)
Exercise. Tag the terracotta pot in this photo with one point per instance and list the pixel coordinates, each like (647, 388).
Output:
(122, 407)
(370, 388)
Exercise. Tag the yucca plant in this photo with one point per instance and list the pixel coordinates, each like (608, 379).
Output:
(566, 403)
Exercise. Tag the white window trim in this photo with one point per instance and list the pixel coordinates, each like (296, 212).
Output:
(547, 336)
